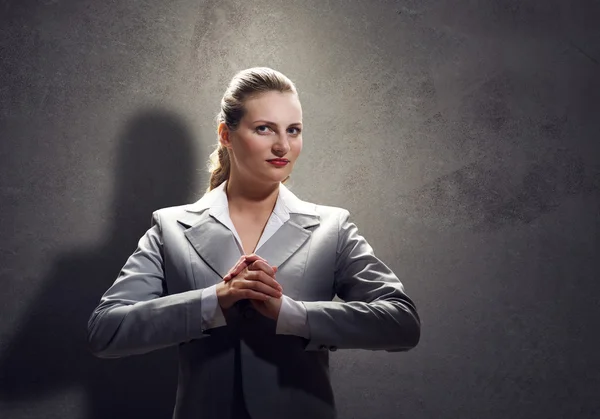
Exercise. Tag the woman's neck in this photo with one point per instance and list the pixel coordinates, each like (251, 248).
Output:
(250, 197)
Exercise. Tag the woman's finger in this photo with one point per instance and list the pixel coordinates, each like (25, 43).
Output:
(244, 261)
(236, 269)
(264, 279)
(239, 265)
(242, 264)
(261, 265)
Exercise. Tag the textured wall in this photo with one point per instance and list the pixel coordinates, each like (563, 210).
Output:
(462, 136)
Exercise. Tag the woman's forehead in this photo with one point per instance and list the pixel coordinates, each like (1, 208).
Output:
(284, 107)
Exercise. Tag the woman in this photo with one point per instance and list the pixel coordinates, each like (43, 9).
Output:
(243, 279)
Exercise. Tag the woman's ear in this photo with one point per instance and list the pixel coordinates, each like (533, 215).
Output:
(224, 138)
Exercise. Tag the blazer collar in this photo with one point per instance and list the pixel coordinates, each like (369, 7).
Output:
(215, 243)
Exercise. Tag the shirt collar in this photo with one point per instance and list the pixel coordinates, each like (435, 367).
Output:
(216, 201)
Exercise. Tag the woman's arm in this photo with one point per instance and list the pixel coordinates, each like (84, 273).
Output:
(136, 315)
(376, 313)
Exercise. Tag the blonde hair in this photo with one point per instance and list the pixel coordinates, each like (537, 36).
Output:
(244, 85)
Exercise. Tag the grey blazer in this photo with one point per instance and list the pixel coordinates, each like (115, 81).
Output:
(155, 302)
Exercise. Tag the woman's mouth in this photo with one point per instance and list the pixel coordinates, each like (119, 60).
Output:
(278, 162)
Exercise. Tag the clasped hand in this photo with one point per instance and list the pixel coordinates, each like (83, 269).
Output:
(254, 279)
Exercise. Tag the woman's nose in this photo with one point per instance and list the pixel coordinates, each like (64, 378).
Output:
(282, 144)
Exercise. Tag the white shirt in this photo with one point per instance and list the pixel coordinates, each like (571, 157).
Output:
(292, 318)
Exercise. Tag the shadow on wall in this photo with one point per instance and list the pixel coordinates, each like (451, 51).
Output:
(49, 353)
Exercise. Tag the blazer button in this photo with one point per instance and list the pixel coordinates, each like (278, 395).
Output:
(333, 348)
(323, 347)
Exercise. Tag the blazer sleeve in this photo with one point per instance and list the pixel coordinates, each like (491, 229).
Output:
(136, 315)
(376, 313)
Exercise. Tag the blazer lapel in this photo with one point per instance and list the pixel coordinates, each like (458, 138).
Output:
(287, 239)
(213, 242)
(216, 244)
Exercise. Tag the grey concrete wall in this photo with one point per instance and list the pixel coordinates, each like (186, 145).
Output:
(462, 136)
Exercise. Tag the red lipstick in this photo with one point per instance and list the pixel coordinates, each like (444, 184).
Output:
(278, 162)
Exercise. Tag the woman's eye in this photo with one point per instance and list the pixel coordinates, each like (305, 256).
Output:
(258, 129)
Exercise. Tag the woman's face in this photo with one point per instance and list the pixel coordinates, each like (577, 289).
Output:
(271, 128)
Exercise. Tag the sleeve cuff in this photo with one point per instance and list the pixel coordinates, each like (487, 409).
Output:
(212, 315)
(292, 318)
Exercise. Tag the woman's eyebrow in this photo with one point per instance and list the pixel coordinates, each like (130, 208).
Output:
(273, 123)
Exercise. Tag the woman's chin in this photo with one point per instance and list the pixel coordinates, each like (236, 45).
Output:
(279, 177)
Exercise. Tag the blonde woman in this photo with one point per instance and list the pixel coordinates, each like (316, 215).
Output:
(243, 279)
